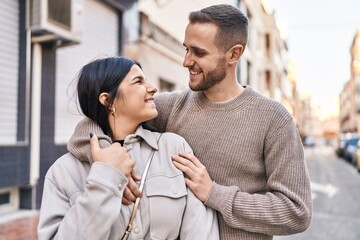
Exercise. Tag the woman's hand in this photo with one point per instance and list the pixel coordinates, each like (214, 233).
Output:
(131, 192)
(115, 155)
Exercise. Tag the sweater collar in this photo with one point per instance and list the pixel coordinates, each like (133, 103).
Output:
(239, 101)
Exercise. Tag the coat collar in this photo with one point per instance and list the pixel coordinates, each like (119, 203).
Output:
(144, 134)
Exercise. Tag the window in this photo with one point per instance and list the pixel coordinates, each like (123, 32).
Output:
(249, 69)
(267, 41)
(267, 45)
(9, 199)
(267, 83)
(60, 12)
(166, 86)
(4, 198)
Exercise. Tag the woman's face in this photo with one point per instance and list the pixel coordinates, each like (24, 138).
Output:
(136, 97)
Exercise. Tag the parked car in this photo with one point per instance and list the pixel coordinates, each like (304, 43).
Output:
(309, 141)
(357, 157)
(341, 145)
(350, 149)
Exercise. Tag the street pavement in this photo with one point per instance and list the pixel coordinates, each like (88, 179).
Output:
(19, 226)
(336, 198)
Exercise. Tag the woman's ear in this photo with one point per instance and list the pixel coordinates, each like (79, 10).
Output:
(103, 99)
(235, 53)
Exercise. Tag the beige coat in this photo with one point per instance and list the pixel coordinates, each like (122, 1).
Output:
(82, 199)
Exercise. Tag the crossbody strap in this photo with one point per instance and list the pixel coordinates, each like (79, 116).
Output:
(137, 201)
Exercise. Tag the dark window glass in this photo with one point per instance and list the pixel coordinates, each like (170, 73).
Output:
(59, 12)
(4, 198)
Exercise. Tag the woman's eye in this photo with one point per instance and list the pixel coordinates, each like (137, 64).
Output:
(137, 81)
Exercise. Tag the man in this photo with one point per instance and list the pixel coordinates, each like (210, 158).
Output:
(251, 167)
(249, 163)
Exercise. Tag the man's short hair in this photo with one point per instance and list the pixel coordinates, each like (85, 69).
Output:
(231, 22)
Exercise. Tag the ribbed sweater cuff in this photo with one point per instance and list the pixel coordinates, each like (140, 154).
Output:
(108, 176)
(219, 196)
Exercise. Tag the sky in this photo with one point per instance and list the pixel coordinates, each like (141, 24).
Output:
(319, 34)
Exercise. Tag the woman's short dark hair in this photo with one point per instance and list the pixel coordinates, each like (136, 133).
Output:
(231, 22)
(96, 77)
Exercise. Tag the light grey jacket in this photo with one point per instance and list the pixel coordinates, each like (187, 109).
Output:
(82, 199)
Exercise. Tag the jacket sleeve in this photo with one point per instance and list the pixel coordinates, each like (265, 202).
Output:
(199, 221)
(92, 213)
(286, 207)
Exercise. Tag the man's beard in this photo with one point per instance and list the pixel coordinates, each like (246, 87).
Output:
(212, 78)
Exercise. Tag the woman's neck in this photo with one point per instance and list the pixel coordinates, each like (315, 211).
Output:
(121, 128)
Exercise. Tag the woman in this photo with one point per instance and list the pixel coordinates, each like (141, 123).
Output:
(83, 189)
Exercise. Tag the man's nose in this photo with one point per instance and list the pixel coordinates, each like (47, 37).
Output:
(188, 61)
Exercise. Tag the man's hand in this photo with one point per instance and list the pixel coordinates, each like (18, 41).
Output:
(131, 191)
(198, 179)
(115, 155)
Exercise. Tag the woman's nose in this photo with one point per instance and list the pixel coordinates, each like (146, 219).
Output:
(151, 88)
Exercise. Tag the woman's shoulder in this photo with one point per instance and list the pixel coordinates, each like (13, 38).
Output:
(174, 143)
(67, 160)
(67, 166)
(173, 137)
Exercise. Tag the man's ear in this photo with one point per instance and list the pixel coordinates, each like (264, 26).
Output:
(235, 53)
(103, 98)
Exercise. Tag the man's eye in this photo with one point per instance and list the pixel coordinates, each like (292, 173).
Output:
(199, 53)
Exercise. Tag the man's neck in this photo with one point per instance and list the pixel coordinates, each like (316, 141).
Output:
(223, 92)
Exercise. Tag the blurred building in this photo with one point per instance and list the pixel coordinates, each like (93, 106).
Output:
(41, 52)
(299, 105)
(264, 63)
(350, 95)
(346, 118)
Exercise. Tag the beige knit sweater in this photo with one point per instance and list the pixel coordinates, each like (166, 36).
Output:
(253, 153)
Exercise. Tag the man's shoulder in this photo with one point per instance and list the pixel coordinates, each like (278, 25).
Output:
(269, 106)
(174, 95)
(172, 137)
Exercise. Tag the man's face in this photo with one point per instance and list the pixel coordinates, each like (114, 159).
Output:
(206, 63)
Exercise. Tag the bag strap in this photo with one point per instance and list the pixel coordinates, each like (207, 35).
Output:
(137, 201)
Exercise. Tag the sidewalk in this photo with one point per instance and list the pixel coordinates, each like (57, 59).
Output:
(19, 226)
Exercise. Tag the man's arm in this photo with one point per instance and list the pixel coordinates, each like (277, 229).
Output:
(285, 208)
(198, 179)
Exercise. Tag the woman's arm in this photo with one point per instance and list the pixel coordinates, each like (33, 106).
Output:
(199, 221)
(92, 213)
